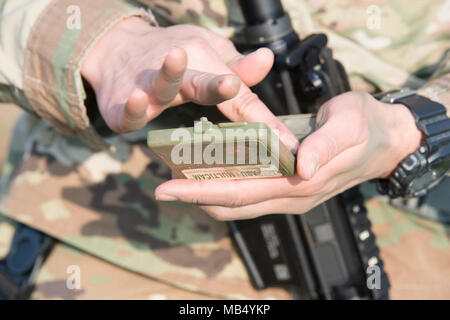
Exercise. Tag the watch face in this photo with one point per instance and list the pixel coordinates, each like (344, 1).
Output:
(427, 179)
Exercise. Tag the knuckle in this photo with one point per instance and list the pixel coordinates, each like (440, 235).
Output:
(329, 145)
(235, 202)
(226, 43)
(315, 187)
(197, 86)
(358, 119)
(197, 43)
(231, 201)
(197, 79)
(197, 201)
(243, 104)
(329, 186)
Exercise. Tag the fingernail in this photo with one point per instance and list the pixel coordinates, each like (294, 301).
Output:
(294, 146)
(320, 120)
(311, 165)
(166, 197)
(290, 142)
(261, 50)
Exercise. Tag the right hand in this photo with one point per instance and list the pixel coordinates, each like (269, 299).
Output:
(138, 70)
(357, 138)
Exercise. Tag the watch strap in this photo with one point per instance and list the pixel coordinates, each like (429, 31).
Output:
(432, 120)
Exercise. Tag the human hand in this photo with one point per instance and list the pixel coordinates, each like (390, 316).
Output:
(357, 139)
(137, 71)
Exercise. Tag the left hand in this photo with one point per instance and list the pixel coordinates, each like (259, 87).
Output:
(137, 71)
(357, 139)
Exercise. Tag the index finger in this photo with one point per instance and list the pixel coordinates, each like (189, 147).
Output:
(246, 106)
(226, 193)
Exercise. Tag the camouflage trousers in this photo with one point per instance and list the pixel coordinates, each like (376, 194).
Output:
(126, 245)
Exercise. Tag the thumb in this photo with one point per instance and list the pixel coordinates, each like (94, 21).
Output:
(329, 140)
(254, 67)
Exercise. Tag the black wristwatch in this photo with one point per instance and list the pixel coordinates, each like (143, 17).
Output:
(429, 164)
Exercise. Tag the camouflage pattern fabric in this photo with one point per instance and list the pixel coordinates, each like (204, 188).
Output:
(112, 214)
(97, 279)
(384, 52)
(100, 203)
(9, 114)
(415, 249)
(103, 280)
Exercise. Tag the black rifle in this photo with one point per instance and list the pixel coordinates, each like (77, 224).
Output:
(330, 251)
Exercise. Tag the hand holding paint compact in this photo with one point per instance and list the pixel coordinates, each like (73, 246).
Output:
(231, 150)
(356, 138)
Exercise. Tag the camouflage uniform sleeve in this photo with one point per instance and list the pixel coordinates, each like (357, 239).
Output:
(438, 88)
(13, 39)
(42, 47)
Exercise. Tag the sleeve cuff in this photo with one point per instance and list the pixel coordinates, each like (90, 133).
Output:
(52, 79)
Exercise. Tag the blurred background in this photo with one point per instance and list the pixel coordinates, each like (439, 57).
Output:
(8, 117)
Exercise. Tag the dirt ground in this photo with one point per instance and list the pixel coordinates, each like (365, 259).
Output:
(8, 116)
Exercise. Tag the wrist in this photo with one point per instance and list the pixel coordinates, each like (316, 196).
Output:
(403, 135)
